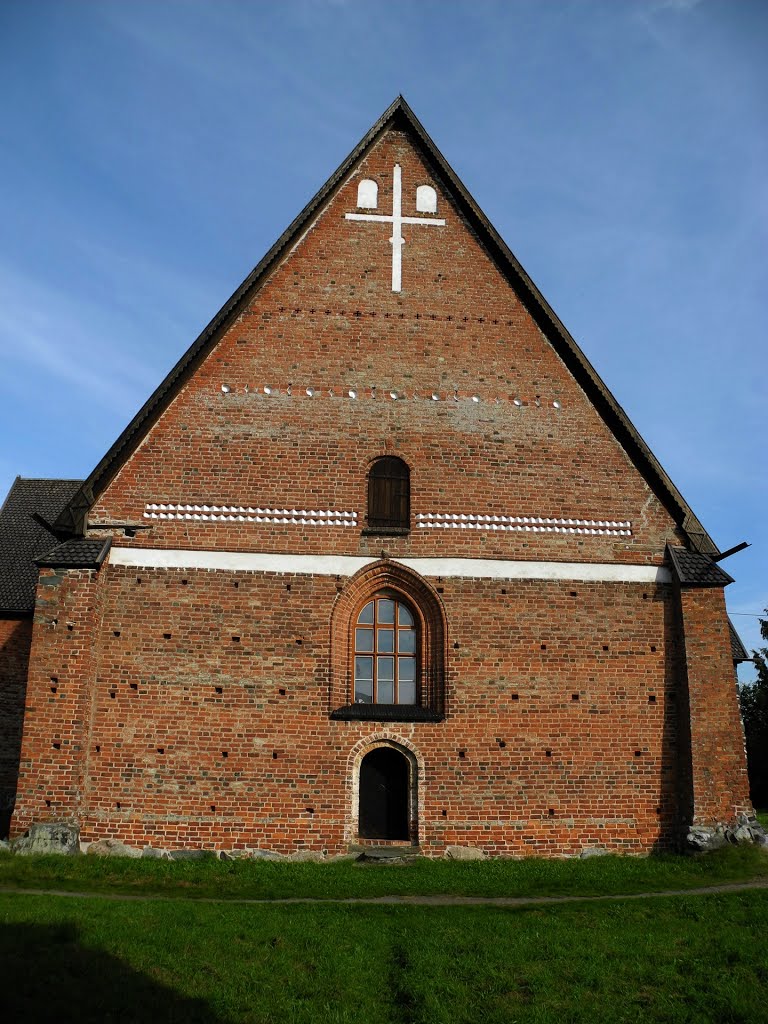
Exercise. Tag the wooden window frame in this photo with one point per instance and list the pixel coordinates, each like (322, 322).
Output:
(394, 580)
(417, 656)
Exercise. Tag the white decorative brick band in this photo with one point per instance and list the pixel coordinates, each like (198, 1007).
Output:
(246, 514)
(524, 524)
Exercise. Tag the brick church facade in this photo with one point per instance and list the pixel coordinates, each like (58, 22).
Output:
(381, 560)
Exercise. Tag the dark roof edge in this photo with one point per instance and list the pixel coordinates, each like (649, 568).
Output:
(8, 495)
(74, 515)
(738, 650)
(697, 569)
(58, 557)
(12, 613)
(575, 359)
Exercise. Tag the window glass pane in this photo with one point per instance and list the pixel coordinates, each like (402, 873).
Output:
(404, 617)
(363, 668)
(406, 641)
(364, 691)
(385, 668)
(363, 639)
(366, 615)
(386, 611)
(406, 693)
(386, 691)
(385, 641)
(406, 669)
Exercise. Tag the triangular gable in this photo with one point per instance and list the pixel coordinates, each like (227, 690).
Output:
(398, 115)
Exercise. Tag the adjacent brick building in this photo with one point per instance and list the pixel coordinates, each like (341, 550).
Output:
(382, 560)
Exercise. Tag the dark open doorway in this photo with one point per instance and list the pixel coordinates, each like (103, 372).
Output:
(384, 795)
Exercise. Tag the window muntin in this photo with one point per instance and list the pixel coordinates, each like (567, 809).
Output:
(389, 494)
(385, 653)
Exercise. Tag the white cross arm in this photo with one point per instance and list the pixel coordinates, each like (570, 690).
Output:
(391, 220)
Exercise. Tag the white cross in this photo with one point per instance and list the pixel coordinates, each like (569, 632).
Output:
(396, 220)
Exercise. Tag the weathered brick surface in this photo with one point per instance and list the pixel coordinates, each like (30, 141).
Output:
(328, 320)
(193, 707)
(719, 774)
(15, 637)
(198, 738)
(60, 694)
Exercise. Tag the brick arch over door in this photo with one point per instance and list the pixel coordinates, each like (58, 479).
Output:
(398, 580)
(411, 753)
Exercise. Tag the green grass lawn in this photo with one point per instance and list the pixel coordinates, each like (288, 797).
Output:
(270, 880)
(673, 959)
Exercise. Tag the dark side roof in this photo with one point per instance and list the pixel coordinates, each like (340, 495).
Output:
(398, 116)
(22, 539)
(76, 553)
(738, 650)
(697, 570)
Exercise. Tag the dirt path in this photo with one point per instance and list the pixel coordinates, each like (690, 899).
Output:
(412, 901)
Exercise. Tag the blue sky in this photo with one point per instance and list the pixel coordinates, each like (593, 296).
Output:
(151, 152)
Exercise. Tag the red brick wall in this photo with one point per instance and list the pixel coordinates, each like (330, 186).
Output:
(198, 739)
(15, 636)
(60, 690)
(327, 319)
(718, 763)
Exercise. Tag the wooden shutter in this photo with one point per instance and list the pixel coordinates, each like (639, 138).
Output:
(389, 494)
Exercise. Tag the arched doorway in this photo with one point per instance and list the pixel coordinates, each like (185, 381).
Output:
(384, 795)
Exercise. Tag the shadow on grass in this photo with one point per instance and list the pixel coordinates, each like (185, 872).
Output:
(46, 974)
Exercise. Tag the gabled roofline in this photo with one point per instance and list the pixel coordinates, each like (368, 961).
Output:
(73, 518)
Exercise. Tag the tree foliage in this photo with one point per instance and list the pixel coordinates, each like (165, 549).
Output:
(753, 698)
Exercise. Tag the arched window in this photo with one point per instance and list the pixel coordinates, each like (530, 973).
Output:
(367, 194)
(386, 647)
(389, 495)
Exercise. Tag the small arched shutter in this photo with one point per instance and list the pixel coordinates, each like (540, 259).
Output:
(389, 494)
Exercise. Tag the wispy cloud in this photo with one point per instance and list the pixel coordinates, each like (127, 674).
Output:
(674, 5)
(45, 337)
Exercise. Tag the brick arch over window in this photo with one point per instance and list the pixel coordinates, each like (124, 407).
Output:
(396, 580)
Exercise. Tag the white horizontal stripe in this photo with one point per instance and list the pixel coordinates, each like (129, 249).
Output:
(526, 529)
(247, 514)
(388, 219)
(215, 518)
(531, 520)
(524, 524)
(348, 565)
(501, 569)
